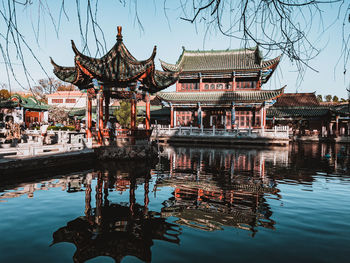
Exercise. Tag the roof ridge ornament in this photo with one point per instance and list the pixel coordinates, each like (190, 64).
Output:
(75, 50)
(119, 35)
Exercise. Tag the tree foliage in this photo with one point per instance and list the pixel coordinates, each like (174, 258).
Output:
(58, 114)
(335, 98)
(4, 94)
(69, 87)
(328, 98)
(123, 114)
(319, 98)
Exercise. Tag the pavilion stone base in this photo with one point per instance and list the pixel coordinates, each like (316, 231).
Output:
(127, 152)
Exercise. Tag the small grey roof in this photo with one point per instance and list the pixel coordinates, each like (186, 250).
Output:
(292, 112)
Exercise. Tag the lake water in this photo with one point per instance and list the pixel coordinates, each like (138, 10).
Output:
(192, 205)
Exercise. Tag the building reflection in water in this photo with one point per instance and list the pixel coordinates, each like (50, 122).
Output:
(209, 190)
(218, 188)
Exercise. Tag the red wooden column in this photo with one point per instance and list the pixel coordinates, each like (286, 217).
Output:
(171, 116)
(89, 117)
(100, 117)
(107, 101)
(133, 112)
(234, 83)
(262, 116)
(253, 118)
(148, 112)
(258, 85)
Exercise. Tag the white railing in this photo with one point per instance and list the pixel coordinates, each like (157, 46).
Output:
(278, 132)
(33, 143)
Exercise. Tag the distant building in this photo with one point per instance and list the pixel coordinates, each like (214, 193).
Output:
(221, 88)
(23, 110)
(307, 116)
(67, 99)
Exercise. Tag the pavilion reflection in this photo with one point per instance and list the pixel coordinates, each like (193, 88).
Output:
(219, 188)
(116, 229)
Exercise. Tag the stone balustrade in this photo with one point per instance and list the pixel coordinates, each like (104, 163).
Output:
(275, 133)
(32, 143)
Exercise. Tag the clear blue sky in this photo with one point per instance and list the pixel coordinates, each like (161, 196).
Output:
(169, 36)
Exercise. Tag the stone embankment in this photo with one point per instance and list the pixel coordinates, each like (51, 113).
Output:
(128, 152)
(48, 163)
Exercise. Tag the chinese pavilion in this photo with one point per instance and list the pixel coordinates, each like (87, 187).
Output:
(221, 88)
(115, 75)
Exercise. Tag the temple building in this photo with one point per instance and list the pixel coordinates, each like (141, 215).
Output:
(221, 88)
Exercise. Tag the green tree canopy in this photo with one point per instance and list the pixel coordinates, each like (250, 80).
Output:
(123, 114)
(328, 98)
(335, 98)
(319, 98)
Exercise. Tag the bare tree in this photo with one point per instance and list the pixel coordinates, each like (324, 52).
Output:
(282, 25)
(46, 86)
(58, 114)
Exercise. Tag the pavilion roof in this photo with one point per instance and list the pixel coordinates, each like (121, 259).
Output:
(118, 68)
(220, 97)
(220, 60)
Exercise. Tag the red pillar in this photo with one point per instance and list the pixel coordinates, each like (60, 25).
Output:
(89, 118)
(107, 101)
(133, 113)
(171, 116)
(100, 118)
(148, 112)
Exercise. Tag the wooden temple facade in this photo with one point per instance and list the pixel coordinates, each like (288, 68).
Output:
(116, 75)
(221, 88)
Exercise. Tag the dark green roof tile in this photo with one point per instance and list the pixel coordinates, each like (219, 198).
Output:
(220, 60)
(223, 97)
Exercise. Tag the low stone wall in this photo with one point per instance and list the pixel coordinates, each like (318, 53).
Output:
(127, 152)
(22, 167)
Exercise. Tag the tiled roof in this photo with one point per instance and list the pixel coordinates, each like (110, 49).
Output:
(297, 99)
(224, 97)
(343, 109)
(292, 112)
(118, 68)
(221, 60)
(29, 103)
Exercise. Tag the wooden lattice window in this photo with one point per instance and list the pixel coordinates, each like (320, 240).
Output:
(71, 100)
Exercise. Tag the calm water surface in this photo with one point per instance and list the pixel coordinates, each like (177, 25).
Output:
(192, 205)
